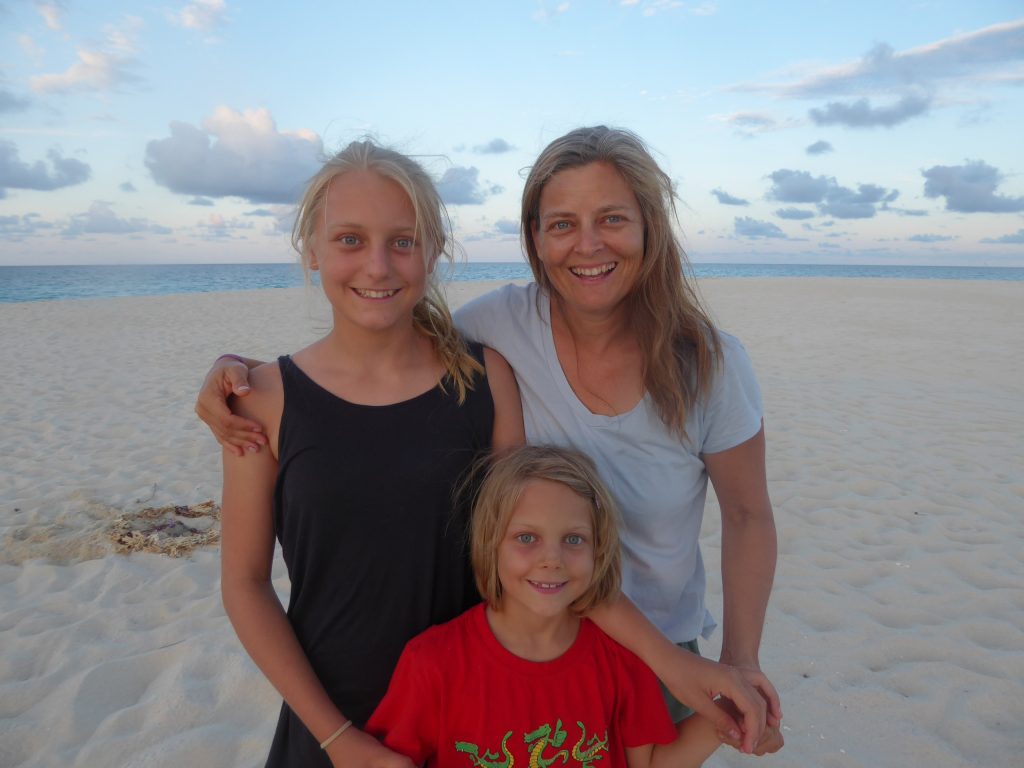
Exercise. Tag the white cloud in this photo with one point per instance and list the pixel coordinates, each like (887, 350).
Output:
(461, 186)
(203, 15)
(752, 228)
(819, 148)
(789, 186)
(61, 171)
(100, 219)
(216, 227)
(726, 199)
(861, 114)
(493, 147)
(909, 82)
(654, 7)
(794, 213)
(16, 228)
(1016, 238)
(926, 238)
(235, 154)
(51, 11)
(101, 69)
(977, 54)
(507, 226)
(749, 124)
(970, 188)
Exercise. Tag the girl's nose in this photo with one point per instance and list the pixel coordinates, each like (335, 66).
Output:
(378, 261)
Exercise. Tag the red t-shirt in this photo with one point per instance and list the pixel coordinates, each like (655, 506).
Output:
(459, 699)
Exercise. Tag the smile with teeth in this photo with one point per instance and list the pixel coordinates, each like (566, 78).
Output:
(547, 585)
(369, 293)
(595, 271)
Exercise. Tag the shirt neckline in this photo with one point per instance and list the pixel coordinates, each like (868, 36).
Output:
(437, 387)
(577, 652)
(562, 381)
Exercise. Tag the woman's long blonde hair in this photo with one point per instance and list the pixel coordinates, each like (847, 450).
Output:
(680, 345)
(431, 315)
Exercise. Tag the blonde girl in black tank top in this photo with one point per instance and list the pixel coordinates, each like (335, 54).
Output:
(369, 428)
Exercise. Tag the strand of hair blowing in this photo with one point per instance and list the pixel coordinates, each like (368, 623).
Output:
(681, 348)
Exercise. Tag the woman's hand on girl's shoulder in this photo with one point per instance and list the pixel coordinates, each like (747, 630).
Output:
(263, 404)
(358, 749)
(228, 377)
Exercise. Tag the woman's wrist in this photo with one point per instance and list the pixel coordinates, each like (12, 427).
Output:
(230, 356)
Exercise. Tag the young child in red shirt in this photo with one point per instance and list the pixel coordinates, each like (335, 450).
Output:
(523, 679)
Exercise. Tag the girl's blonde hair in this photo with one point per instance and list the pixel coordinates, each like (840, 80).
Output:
(680, 345)
(431, 316)
(502, 487)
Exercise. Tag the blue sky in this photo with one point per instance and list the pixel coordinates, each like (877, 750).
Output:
(836, 132)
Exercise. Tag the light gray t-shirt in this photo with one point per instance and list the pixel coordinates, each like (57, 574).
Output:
(657, 478)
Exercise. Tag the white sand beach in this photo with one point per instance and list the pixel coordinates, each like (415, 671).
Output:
(895, 422)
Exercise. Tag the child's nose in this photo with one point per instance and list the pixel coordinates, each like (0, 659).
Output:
(378, 261)
(552, 555)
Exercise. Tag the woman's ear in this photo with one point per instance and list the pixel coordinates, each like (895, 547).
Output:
(314, 265)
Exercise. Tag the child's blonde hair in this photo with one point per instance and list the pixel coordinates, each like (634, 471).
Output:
(502, 487)
(431, 316)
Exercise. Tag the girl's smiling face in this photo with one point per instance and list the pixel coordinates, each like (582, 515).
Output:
(546, 557)
(372, 267)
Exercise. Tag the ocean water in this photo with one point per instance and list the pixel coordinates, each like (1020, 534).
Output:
(85, 282)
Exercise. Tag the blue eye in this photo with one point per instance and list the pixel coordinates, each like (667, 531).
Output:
(614, 219)
(405, 243)
(526, 538)
(348, 240)
(561, 226)
(574, 539)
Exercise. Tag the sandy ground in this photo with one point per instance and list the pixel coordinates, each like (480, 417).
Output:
(895, 416)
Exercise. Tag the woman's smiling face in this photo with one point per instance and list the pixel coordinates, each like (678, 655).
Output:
(590, 237)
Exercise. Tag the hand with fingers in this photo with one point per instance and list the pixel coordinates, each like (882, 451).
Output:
(771, 739)
(754, 700)
(229, 377)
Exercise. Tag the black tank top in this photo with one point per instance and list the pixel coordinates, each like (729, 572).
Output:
(375, 547)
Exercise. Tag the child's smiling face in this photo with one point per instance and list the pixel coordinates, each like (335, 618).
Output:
(546, 557)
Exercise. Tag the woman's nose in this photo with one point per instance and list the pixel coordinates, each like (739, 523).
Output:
(589, 240)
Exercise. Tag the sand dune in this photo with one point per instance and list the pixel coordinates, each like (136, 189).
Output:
(895, 415)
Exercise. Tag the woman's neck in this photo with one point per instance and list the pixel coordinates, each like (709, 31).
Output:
(531, 637)
(591, 331)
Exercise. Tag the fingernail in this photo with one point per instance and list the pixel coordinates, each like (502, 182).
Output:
(251, 448)
(243, 388)
(734, 735)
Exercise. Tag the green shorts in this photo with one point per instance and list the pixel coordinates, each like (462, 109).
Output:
(676, 709)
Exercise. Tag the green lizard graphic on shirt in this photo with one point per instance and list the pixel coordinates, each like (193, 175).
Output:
(584, 753)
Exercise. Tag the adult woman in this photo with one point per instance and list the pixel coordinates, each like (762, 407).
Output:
(614, 356)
